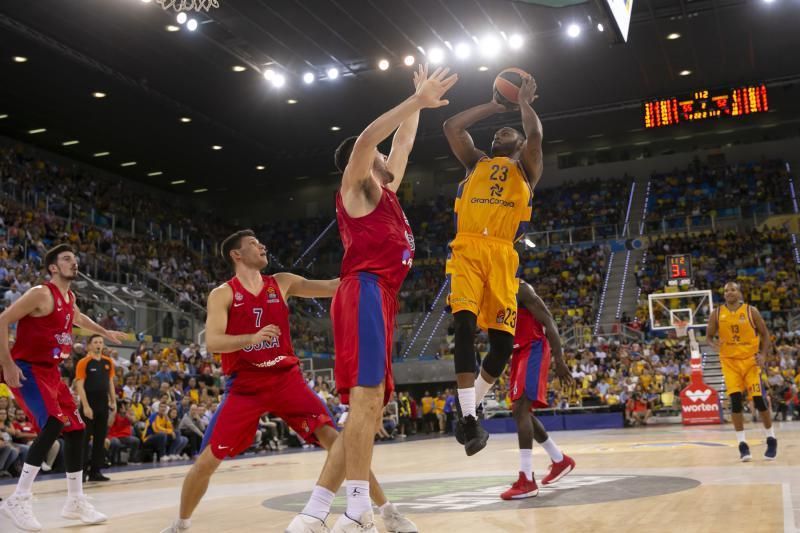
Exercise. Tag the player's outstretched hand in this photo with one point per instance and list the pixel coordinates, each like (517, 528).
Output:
(564, 374)
(431, 90)
(267, 333)
(527, 92)
(12, 375)
(116, 336)
(419, 76)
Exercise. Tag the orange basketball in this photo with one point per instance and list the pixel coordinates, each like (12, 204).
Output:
(507, 84)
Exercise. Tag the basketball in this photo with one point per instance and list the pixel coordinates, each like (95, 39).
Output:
(507, 84)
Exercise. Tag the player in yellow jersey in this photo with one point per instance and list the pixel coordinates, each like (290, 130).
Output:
(744, 344)
(492, 210)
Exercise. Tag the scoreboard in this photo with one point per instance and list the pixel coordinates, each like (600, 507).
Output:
(679, 269)
(706, 105)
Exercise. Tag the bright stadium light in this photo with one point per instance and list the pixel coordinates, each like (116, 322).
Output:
(490, 46)
(529, 243)
(191, 25)
(600, 27)
(182, 18)
(308, 78)
(573, 30)
(332, 73)
(515, 41)
(269, 74)
(463, 50)
(409, 60)
(279, 80)
(383, 64)
(435, 55)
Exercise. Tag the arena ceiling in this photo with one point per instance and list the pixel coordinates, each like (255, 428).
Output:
(152, 77)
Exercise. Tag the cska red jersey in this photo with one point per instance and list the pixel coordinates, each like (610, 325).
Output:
(380, 243)
(46, 340)
(529, 330)
(248, 314)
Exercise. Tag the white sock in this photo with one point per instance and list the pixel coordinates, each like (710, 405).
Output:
(25, 483)
(481, 388)
(358, 501)
(383, 508)
(740, 436)
(319, 504)
(466, 397)
(552, 450)
(75, 484)
(183, 523)
(526, 463)
(770, 432)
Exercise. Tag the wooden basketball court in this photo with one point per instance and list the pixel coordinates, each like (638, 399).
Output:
(662, 478)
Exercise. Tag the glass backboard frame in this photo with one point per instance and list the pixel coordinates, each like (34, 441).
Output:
(695, 319)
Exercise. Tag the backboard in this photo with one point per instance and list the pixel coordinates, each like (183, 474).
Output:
(669, 308)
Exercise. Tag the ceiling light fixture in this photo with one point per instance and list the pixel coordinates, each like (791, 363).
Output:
(409, 60)
(435, 55)
(673, 36)
(38, 130)
(600, 27)
(3, 116)
(177, 182)
(483, 68)
(308, 78)
(269, 74)
(383, 64)
(201, 190)
(260, 167)
(573, 30)
(69, 143)
(685, 72)
(332, 73)
(20, 59)
(238, 68)
(463, 50)
(101, 154)
(128, 164)
(278, 80)
(335, 128)
(182, 18)
(98, 94)
(156, 173)
(191, 25)
(291, 101)
(185, 120)
(515, 41)
(172, 28)
(216, 147)
(490, 46)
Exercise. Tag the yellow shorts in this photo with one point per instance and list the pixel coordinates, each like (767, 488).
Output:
(483, 280)
(741, 375)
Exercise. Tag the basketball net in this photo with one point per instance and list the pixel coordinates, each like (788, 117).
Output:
(188, 5)
(681, 328)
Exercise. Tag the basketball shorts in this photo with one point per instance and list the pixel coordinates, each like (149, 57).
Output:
(742, 375)
(363, 313)
(483, 280)
(530, 366)
(248, 395)
(43, 395)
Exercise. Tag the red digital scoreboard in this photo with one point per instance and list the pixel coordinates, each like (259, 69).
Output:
(705, 105)
(679, 269)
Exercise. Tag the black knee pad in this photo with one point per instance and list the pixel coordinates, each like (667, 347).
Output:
(760, 404)
(464, 324)
(501, 344)
(737, 405)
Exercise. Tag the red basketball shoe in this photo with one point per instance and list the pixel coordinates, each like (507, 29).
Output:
(521, 489)
(559, 470)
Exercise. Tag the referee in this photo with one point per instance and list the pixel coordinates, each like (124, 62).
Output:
(94, 380)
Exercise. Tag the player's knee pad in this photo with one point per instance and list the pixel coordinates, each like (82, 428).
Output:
(737, 405)
(464, 324)
(760, 404)
(501, 344)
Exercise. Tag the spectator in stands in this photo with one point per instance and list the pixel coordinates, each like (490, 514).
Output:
(637, 410)
(159, 435)
(193, 429)
(429, 419)
(121, 436)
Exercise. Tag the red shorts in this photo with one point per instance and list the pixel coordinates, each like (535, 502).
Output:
(43, 395)
(363, 314)
(530, 366)
(248, 395)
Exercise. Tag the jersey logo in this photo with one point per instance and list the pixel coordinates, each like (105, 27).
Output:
(239, 296)
(239, 304)
(272, 296)
(270, 363)
(501, 316)
(407, 259)
(496, 190)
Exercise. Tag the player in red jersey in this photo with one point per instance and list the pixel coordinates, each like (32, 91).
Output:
(45, 315)
(536, 334)
(248, 322)
(378, 252)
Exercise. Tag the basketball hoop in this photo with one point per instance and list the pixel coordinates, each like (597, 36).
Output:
(681, 328)
(188, 5)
